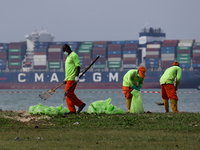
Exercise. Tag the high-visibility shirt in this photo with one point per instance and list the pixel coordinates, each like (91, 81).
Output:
(131, 78)
(170, 74)
(71, 64)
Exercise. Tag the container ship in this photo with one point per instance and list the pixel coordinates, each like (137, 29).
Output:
(38, 62)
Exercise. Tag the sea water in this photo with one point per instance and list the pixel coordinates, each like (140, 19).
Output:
(189, 99)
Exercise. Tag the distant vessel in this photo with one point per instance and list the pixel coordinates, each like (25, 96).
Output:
(38, 62)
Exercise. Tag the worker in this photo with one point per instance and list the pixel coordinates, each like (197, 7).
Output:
(133, 79)
(168, 89)
(72, 70)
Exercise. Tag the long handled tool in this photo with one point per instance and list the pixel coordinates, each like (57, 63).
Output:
(160, 104)
(49, 93)
(65, 94)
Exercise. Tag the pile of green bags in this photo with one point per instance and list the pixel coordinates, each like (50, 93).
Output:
(104, 106)
(50, 111)
(100, 106)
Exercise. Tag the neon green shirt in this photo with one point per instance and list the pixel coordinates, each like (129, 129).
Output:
(131, 78)
(71, 63)
(170, 74)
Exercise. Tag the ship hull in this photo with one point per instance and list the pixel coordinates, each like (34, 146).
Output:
(91, 80)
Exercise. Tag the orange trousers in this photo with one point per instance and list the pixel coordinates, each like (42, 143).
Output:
(168, 91)
(71, 98)
(127, 92)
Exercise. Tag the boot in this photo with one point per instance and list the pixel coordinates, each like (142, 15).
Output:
(166, 104)
(174, 106)
(81, 108)
(128, 102)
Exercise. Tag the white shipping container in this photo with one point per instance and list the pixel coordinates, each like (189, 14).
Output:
(54, 50)
(114, 59)
(185, 44)
(39, 56)
(39, 60)
(40, 63)
(153, 45)
(129, 55)
(167, 55)
(168, 58)
(129, 66)
(152, 53)
(185, 41)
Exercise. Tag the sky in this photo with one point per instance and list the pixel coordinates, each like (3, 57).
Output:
(98, 20)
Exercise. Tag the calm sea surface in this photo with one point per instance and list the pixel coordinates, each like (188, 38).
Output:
(188, 102)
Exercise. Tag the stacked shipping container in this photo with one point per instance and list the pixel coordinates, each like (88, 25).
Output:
(152, 56)
(184, 53)
(84, 53)
(114, 54)
(100, 49)
(54, 56)
(16, 54)
(3, 56)
(40, 55)
(196, 55)
(129, 54)
(168, 53)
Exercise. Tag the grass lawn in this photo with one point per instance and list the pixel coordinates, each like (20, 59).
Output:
(100, 131)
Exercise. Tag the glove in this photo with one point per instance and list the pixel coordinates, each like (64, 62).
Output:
(134, 87)
(139, 87)
(64, 82)
(76, 79)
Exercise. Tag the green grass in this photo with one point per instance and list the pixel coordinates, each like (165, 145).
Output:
(101, 131)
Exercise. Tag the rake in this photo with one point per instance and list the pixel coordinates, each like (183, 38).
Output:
(49, 93)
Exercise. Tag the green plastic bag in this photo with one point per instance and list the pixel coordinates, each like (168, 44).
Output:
(136, 103)
(52, 112)
(39, 109)
(99, 106)
(63, 111)
(104, 106)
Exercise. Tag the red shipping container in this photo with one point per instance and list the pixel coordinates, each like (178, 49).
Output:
(169, 44)
(15, 47)
(196, 55)
(152, 56)
(40, 53)
(114, 45)
(100, 42)
(114, 55)
(40, 67)
(14, 60)
(55, 46)
(14, 53)
(99, 59)
(196, 47)
(129, 59)
(14, 67)
(153, 49)
(183, 51)
(129, 49)
(196, 61)
(170, 41)
(84, 54)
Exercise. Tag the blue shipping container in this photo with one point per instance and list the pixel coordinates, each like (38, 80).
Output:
(40, 50)
(152, 62)
(132, 41)
(2, 60)
(117, 42)
(167, 51)
(114, 52)
(3, 47)
(185, 65)
(196, 65)
(129, 52)
(167, 48)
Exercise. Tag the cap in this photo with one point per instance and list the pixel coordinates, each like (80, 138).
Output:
(142, 71)
(175, 63)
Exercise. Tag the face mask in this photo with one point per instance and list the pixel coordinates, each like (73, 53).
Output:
(138, 74)
(65, 53)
